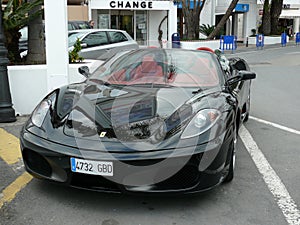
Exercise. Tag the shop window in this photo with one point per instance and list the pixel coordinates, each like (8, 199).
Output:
(102, 18)
(141, 27)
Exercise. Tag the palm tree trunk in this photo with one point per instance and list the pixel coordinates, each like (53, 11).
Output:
(36, 41)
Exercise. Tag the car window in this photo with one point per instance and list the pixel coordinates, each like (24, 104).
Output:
(72, 38)
(116, 36)
(83, 26)
(176, 68)
(96, 39)
(70, 27)
(24, 33)
(75, 25)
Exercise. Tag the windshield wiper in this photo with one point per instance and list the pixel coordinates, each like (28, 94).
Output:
(101, 82)
(151, 85)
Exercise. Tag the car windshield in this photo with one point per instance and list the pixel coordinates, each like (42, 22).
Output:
(167, 67)
(72, 38)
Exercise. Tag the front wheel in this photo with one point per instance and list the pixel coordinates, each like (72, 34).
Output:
(247, 113)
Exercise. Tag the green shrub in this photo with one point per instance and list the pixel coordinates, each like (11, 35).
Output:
(206, 29)
(73, 55)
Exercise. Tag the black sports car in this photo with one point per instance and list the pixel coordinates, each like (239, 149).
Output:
(148, 120)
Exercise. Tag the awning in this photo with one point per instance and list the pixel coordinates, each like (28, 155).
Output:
(290, 13)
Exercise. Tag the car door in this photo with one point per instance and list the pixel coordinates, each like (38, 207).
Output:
(241, 89)
(95, 45)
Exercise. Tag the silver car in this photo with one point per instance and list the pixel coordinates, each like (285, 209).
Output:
(101, 43)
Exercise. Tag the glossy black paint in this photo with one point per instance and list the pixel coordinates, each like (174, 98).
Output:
(155, 133)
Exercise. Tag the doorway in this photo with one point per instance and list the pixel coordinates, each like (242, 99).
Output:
(123, 20)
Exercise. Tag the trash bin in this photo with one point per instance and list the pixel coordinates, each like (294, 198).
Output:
(260, 41)
(176, 40)
(283, 39)
(298, 38)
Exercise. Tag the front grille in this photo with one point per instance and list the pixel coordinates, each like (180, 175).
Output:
(187, 177)
(94, 182)
(37, 163)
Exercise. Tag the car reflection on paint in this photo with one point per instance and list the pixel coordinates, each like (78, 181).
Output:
(146, 121)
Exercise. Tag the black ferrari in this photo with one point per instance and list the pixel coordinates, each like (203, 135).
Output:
(146, 121)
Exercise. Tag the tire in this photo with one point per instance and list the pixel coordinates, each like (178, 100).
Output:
(230, 174)
(248, 110)
(246, 117)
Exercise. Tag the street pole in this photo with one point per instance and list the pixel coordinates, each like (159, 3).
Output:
(7, 113)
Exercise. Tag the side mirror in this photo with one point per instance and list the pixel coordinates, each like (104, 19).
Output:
(84, 70)
(242, 75)
(247, 75)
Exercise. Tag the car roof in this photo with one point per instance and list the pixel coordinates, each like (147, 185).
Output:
(94, 30)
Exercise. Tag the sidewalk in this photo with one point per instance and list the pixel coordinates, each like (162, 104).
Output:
(21, 120)
(242, 47)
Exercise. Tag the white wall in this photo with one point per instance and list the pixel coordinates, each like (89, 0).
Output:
(155, 17)
(213, 44)
(56, 35)
(250, 19)
(219, 7)
(206, 14)
(28, 84)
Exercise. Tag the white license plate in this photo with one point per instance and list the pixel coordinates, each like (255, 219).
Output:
(92, 167)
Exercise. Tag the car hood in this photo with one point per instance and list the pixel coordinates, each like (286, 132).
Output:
(100, 117)
(128, 113)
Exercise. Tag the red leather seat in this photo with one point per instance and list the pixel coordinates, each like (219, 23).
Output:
(148, 68)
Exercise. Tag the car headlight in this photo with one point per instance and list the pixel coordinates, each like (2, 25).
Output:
(40, 112)
(201, 122)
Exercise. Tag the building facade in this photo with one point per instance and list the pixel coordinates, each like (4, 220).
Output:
(289, 19)
(140, 18)
(240, 23)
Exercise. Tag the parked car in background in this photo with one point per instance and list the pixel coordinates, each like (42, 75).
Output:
(77, 24)
(23, 41)
(101, 43)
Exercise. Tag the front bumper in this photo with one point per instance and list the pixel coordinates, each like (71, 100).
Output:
(205, 168)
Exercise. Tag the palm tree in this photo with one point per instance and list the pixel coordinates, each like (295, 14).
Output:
(192, 17)
(15, 17)
(224, 19)
(36, 38)
(206, 29)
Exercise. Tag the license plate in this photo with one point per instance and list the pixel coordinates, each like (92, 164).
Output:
(92, 167)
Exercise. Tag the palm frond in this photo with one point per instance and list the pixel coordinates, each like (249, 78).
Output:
(18, 16)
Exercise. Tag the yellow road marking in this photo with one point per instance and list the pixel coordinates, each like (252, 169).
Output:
(10, 191)
(9, 147)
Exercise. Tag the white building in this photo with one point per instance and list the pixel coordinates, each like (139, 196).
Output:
(140, 18)
(240, 23)
(290, 15)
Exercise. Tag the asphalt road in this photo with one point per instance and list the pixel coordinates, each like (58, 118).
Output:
(253, 197)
